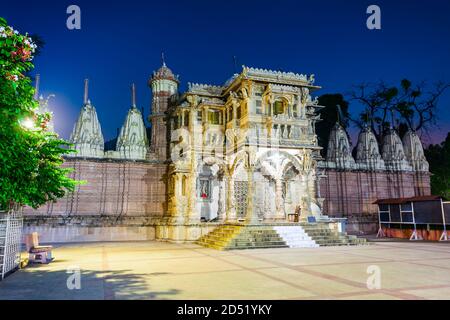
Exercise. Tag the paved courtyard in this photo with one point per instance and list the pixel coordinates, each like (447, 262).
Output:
(155, 270)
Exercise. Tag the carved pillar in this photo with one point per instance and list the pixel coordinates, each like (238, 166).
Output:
(221, 213)
(231, 208)
(312, 185)
(176, 205)
(279, 215)
(192, 212)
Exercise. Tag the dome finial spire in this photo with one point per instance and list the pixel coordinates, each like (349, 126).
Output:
(133, 95)
(86, 91)
(163, 60)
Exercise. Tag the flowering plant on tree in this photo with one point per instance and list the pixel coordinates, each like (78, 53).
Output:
(30, 155)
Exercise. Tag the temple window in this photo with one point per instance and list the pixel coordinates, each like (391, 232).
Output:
(258, 106)
(238, 112)
(278, 107)
(214, 117)
(186, 118)
(199, 116)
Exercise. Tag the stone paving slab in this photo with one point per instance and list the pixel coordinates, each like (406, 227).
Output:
(158, 270)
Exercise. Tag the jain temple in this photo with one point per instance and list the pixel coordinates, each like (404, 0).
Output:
(228, 166)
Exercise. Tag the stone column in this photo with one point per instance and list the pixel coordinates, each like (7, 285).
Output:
(176, 204)
(192, 213)
(279, 215)
(311, 183)
(221, 213)
(231, 208)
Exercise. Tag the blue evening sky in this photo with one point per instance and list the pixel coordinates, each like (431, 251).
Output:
(121, 42)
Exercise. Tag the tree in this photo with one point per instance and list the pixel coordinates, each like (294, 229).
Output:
(414, 105)
(438, 156)
(30, 155)
(329, 115)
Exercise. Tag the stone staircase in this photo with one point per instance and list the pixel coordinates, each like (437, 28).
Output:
(228, 237)
(288, 235)
(295, 236)
(324, 236)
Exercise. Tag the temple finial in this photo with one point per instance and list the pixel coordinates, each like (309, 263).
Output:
(163, 60)
(36, 86)
(133, 95)
(86, 91)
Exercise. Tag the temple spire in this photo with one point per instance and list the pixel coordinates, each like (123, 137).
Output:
(36, 86)
(133, 95)
(163, 60)
(86, 91)
(132, 142)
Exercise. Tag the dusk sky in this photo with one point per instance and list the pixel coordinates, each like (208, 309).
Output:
(121, 42)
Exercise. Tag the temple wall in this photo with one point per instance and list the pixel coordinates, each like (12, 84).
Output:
(350, 194)
(121, 200)
(126, 200)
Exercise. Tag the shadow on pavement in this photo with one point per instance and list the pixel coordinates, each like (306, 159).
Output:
(34, 283)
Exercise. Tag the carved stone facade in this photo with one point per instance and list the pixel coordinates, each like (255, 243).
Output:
(245, 151)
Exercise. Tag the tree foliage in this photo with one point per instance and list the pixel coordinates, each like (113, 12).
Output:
(413, 105)
(30, 155)
(438, 156)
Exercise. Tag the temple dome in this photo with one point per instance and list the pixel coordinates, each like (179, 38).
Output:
(414, 151)
(132, 142)
(87, 134)
(393, 153)
(164, 73)
(367, 150)
(339, 151)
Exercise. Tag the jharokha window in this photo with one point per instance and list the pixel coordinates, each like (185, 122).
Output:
(278, 107)
(214, 117)
(258, 106)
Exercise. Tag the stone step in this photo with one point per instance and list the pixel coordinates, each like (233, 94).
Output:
(238, 237)
(324, 236)
(228, 237)
(295, 236)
